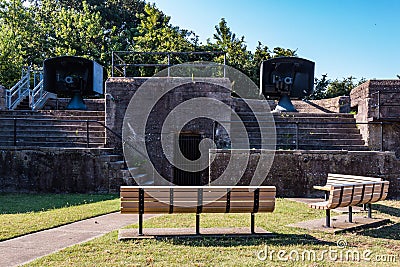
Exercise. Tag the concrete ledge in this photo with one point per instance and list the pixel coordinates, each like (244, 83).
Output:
(340, 224)
(127, 234)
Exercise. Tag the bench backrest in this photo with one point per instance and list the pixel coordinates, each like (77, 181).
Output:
(353, 194)
(197, 199)
(349, 179)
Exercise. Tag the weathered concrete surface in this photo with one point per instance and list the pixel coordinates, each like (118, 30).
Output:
(53, 170)
(61, 104)
(159, 97)
(382, 107)
(121, 90)
(294, 173)
(366, 98)
(24, 249)
(340, 104)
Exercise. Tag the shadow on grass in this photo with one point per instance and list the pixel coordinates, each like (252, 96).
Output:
(387, 209)
(223, 241)
(22, 203)
(391, 231)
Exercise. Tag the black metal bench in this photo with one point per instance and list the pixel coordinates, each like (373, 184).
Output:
(197, 199)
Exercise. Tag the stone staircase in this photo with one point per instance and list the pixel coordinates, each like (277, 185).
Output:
(120, 174)
(67, 129)
(57, 128)
(24, 104)
(308, 131)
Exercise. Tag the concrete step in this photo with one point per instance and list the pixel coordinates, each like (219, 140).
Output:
(56, 113)
(293, 135)
(118, 165)
(294, 115)
(291, 146)
(52, 144)
(53, 139)
(25, 120)
(48, 131)
(312, 115)
(115, 157)
(56, 128)
(301, 140)
(315, 124)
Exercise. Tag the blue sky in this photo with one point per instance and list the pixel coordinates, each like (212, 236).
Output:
(343, 37)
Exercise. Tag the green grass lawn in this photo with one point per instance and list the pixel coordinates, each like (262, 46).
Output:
(27, 213)
(381, 243)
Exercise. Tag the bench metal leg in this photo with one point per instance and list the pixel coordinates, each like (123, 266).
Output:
(350, 214)
(252, 219)
(140, 224)
(328, 218)
(369, 205)
(197, 223)
(326, 195)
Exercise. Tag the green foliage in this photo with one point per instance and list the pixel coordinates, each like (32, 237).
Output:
(15, 27)
(325, 88)
(33, 30)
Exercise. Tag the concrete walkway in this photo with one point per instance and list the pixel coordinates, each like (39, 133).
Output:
(27, 248)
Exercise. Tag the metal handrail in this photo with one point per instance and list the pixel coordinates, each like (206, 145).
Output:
(119, 65)
(298, 123)
(380, 104)
(21, 89)
(88, 122)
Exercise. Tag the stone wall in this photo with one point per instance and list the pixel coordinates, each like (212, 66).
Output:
(365, 99)
(294, 173)
(54, 170)
(340, 104)
(383, 132)
(119, 92)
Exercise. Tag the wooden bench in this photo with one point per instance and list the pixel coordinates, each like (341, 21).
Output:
(334, 178)
(196, 199)
(352, 194)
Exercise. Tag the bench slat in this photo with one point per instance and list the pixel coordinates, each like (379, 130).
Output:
(185, 199)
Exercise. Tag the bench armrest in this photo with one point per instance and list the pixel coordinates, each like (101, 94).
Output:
(322, 187)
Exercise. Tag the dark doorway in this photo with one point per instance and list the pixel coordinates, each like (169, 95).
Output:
(189, 146)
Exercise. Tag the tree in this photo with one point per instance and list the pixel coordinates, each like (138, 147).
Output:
(320, 88)
(15, 27)
(78, 33)
(342, 87)
(235, 48)
(325, 88)
(155, 33)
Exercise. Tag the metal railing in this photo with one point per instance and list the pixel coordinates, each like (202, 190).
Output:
(86, 124)
(19, 91)
(294, 134)
(382, 103)
(124, 61)
(22, 89)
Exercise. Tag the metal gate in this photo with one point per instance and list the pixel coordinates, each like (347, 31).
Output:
(189, 146)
